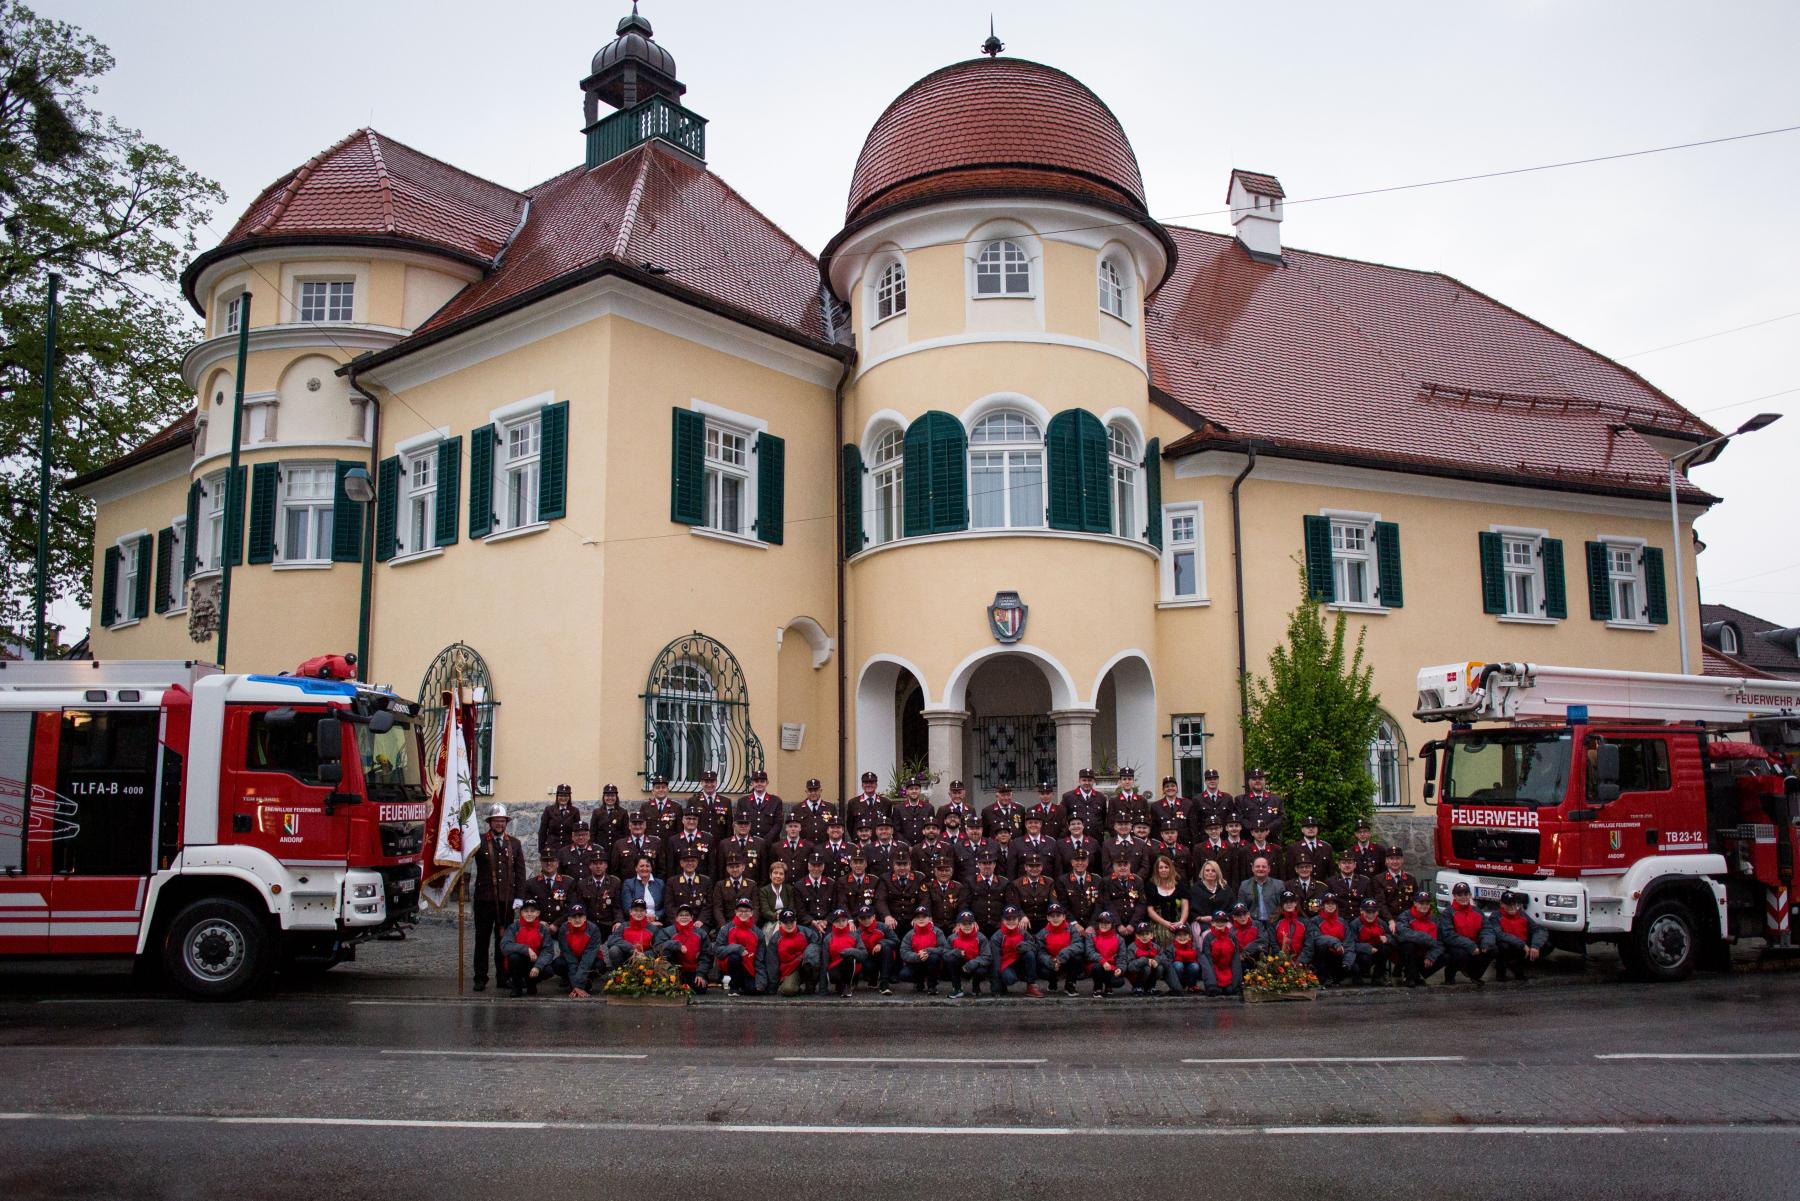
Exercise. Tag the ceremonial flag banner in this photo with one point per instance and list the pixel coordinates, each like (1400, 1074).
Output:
(454, 832)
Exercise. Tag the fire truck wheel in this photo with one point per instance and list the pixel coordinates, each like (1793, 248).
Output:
(216, 949)
(1664, 945)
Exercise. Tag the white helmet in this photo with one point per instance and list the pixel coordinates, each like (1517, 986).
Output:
(498, 811)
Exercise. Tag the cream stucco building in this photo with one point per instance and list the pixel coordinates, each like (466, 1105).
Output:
(673, 492)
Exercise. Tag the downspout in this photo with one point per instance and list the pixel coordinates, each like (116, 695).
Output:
(837, 418)
(1237, 568)
(366, 607)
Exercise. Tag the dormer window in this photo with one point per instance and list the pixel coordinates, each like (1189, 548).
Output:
(1002, 269)
(1112, 289)
(1728, 639)
(327, 299)
(890, 292)
(234, 313)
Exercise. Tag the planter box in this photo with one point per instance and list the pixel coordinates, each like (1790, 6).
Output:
(1304, 994)
(647, 1000)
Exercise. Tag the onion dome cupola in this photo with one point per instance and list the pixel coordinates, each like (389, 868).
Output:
(636, 76)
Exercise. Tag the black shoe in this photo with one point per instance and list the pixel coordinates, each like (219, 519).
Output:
(919, 986)
(956, 994)
(931, 990)
(1068, 990)
(481, 986)
(517, 991)
(887, 989)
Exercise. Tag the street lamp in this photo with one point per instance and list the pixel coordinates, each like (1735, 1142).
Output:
(358, 486)
(1758, 422)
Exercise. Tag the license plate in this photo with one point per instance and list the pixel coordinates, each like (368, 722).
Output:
(1488, 892)
(407, 885)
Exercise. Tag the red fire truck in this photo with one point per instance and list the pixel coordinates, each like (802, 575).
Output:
(1654, 811)
(218, 826)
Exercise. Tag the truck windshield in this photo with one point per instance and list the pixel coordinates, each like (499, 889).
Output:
(390, 760)
(1522, 767)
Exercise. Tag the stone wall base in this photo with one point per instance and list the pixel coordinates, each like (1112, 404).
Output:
(1412, 833)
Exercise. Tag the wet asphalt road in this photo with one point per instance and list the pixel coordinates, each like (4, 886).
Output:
(365, 1082)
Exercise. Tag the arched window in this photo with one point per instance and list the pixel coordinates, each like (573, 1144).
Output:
(1112, 289)
(888, 475)
(890, 291)
(697, 716)
(1123, 460)
(1728, 639)
(1006, 472)
(1387, 764)
(1002, 269)
(460, 667)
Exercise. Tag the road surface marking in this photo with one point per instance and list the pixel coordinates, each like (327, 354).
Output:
(423, 1001)
(900, 1059)
(523, 1054)
(1690, 1055)
(1786, 1130)
(178, 1048)
(1339, 1059)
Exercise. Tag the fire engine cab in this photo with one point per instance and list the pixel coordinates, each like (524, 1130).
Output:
(218, 826)
(1654, 811)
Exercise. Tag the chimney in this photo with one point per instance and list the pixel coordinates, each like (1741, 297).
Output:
(1255, 201)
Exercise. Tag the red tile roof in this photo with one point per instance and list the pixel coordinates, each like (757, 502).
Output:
(1332, 358)
(652, 206)
(370, 186)
(994, 112)
(173, 436)
(1715, 662)
(1257, 184)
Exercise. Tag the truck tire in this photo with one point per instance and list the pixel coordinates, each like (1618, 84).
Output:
(216, 950)
(1665, 942)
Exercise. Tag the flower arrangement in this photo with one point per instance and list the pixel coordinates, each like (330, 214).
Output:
(644, 976)
(1278, 974)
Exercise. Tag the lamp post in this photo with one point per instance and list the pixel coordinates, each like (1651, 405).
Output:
(1758, 422)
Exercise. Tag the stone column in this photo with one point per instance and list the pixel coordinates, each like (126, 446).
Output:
(1074, 744)
(944, 747)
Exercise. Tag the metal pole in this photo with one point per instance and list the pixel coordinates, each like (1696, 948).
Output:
(42, 598)
(234, 497)
(1680, 574)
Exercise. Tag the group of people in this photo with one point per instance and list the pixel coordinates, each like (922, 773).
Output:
(1128, 892)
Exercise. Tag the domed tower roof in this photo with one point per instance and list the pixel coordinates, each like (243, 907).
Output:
(631, 68)
(995, 125)
(634, 42)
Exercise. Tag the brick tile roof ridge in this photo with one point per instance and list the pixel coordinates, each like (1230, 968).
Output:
(1260, 183)
(287, 187)
(382, 181)
(1715, 662)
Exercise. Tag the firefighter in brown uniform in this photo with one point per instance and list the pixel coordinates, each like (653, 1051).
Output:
(1350, 886)
(551, 890)
(1004, 814)
(1171, 809)
(763, 807)
(1049, 808)
(868, 798)
(865, 807)
(987, 892)
(736, 886)
(1129, 800)
(1034, 842)
(945, 894)
(792, 848)
(912, 814)
(815, 893)
(1307, 887)
(1123, 893)
(573, 860)
(815, 814)
(1310, 847)
(746, 846)
(599, 891)
(858, 887)
(1085, 802)
(609, 822)
(902, 891)
(1371, 856)
(931, 850)
(556, 828)
(1081, 891)
(1033, 890)
(1258, 801)
(835, 849)
(1168, 842)
(687, 886)
(689, 838)
(498, 862)
(885, 847)
(1126, 847)
(1212, 803)
(957, 804)
(662, 812)
(1395, 887)
(1260, 846)
(709, 803)
(1075, 838)
(1212, 846)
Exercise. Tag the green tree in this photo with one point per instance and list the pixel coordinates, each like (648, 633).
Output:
(1309, 722)
(116, 216)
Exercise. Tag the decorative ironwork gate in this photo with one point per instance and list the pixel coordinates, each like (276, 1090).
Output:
(460, 663)
(697, 716)
(1019, 750)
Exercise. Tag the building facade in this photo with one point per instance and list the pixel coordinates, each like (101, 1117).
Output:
(1010, 480)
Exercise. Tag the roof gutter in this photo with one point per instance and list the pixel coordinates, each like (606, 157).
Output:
(1237, 571)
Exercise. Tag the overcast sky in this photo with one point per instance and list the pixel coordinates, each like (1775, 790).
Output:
(1331, 97)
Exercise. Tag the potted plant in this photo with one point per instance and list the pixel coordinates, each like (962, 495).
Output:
(906, 771)
(645, 980)
(1280, 977)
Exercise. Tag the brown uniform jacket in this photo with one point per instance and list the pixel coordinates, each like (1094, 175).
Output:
(553, 894)
(987, 900)
(694, 891)
(556, 828)
(608, 824)
(814, 819)
(601, 896)
(627, 851)
(714, 813)
(1394, 894)
(726, 893)
(910, 819)
(753, 850)
(899, 895)
(1124, 895)
(765, 814)
(1033, 895)
(1320, 855)
(661, 818)
(499, 872)
(947, 899)
(1089, 806)
(1082, 898)
(853, 892)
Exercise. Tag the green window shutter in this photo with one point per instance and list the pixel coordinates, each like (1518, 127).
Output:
(235, 487)
(1556, 599)
(851, 499)
(387, 508)
(165, 564)
(687, 469)
(481, 481)
(1493, 574)
(553, 461)
(1387, 565)
(771, 480)
(949, 477)
(1062, 461)
(1319, 583)
(265, 486)
(1599, 587)
(140, 598)
(915, 480)
(449, 491)
(1153, 521)
(109, 587)
(190, 544)
(1655, 589)
(346, 519)
(1096, 474)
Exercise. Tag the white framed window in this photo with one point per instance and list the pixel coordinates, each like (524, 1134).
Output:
(1625, 581)
(1002, 269)
(886, 470)
(326, 299)
(1524, 567)
(125, 594)
(727, 478)
(234, 314)
(1353, 561)
(306, 512)
(420, 531)
(1387, 765)
(890, 291)
(209, 551)
(516, 474)
(1187, 739)
(1122, 465)
(1112, 289)
(178, 579)
(1006, 472)
(1183, 571)
(689, 731)
(1728, 639)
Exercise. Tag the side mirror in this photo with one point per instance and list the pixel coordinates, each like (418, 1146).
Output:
(330, 738)
(381, 722)
(1429, 753)
(331, 773)
(279, 717)
(1606, 772)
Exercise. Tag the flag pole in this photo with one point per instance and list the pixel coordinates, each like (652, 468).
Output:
(462, 882)
(42, 600)
(234, 495)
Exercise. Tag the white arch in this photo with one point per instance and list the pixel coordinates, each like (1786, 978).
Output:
(996, 229)
(878, 424)
(877, 660)
(1005, 400)
(1134, 706)
(1062, 684)
(1132, 653)
(815, 636)
(876, 717)
(1126, 417)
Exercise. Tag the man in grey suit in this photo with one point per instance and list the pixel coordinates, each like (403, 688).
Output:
(1262, 891)
(646, 887)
